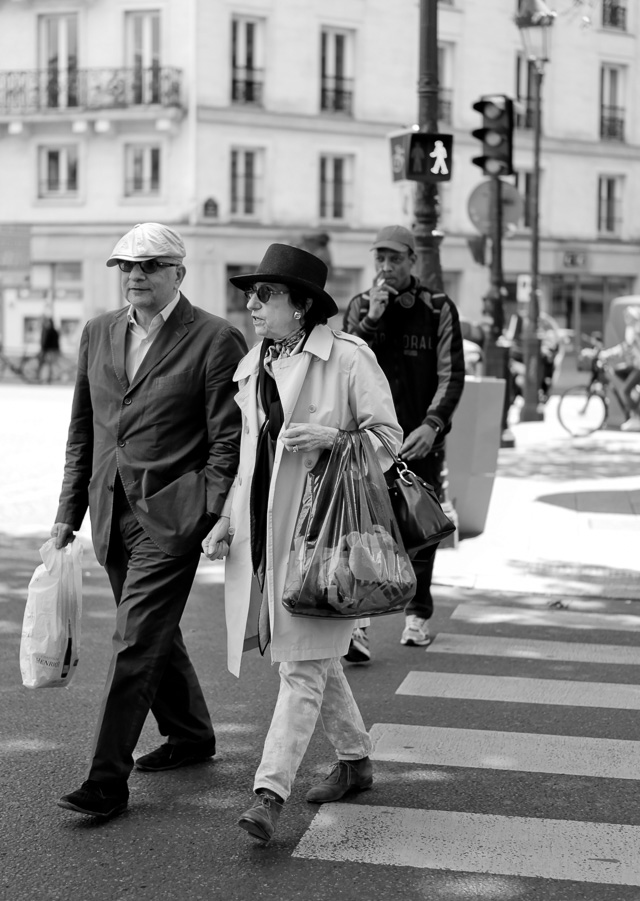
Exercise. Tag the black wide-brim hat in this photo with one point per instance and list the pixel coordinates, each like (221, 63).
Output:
(296, 268)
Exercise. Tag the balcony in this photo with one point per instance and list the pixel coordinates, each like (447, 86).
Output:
(612, 123)
(614, 15)
(51, 91)
(246, 86)
(336, 95)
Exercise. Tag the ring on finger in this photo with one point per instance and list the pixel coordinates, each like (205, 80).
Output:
(295, 448)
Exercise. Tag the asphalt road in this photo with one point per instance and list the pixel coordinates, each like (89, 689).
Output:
(488, 782)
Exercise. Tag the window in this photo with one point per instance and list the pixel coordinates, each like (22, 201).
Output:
(246, 61)
(336, 89)
(246, 183)
(445, 80)
(58, 175)
(58, 76)
(143, 54)
(525, 74)
(609, 204)
(142, 170)
(611, 103)
(335, 187)
(524, 184)
(614, 14)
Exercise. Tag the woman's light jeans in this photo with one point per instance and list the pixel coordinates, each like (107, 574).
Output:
(308, 689)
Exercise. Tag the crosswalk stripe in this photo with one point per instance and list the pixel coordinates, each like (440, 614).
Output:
(575, 652)
(560, 619)
(521, 751)
(520, 690)
(478, 843)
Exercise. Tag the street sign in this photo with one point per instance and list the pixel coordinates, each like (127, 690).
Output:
(421, 156)
(479, 206)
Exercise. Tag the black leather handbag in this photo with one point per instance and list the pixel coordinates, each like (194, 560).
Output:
(421, 520)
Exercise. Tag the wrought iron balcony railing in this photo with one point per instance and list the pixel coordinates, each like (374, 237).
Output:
(612, 123)
(47, 90)
(614, 15)
(246, 86)
(336, 95)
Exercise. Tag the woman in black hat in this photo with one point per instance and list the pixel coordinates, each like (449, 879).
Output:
(297, 387)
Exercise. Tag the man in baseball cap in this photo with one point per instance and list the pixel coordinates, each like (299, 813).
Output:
(395, 237)
(415, 335)
(153, 449)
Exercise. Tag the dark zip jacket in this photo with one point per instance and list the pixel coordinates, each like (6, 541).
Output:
(418, 344)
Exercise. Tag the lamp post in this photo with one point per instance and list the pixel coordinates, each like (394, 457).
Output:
(534, 20)
(428, 238)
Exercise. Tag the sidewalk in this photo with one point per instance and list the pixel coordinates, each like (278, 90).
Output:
(564, 518)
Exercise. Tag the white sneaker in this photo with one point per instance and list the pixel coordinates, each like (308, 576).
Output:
(631, 425)
(416, 632)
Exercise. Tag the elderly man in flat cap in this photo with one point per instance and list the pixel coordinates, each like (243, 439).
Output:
(152, 451)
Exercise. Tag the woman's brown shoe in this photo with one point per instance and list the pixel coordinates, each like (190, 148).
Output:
(346, 776)
(260, 821)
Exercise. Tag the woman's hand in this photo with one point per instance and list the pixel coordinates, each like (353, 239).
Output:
(216, 545)
(304, 436)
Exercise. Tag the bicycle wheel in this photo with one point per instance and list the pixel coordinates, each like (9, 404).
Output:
(582, 411)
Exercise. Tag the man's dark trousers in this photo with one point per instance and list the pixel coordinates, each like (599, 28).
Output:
(429, 468)
(150, 668)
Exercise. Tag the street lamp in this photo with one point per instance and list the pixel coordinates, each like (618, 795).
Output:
(534, 20)
(425, 228)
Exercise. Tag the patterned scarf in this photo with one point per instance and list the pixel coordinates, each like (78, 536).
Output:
(284, 347)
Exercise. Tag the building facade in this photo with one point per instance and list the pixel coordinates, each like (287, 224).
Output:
(244, 123)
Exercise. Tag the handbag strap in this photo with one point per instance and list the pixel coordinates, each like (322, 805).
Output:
(399, 463)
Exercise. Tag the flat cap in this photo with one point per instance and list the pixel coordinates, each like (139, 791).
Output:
(148, 241)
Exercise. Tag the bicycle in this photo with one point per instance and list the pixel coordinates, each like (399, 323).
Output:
(30, 369)
(583, 409)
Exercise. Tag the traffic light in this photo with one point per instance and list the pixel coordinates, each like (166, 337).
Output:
(496, 135)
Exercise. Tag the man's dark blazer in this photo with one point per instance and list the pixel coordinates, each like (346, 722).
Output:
(173, 434)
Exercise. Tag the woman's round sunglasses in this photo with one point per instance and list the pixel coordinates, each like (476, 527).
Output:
(264, 293)
(147, 266)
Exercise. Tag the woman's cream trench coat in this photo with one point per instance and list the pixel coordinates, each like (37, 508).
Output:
(335, 381)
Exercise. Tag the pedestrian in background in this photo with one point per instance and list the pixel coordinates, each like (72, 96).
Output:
(415, 335)
(152, 450)
(625, 357)
(49, 348)
(297, 388)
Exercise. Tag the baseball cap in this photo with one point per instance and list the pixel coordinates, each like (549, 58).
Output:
(395, 237)
(148, 241)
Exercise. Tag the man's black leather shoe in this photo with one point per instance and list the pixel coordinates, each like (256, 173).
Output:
(171, 756)
(95, 800)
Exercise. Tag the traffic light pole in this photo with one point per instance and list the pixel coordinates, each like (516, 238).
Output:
(428, 238)
(531, 411)
(496, 356)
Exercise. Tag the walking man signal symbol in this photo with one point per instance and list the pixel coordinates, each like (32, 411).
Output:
(439, 154)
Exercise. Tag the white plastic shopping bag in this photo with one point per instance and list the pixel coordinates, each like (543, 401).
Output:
(51, 625)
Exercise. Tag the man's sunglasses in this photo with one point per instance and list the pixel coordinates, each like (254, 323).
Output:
(147, 266)
(264, 293)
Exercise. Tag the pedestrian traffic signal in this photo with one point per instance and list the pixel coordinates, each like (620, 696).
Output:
(421, 156)
(496, 135)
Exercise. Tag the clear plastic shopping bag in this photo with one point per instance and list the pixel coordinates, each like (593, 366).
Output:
(347, 558)
(51, 625)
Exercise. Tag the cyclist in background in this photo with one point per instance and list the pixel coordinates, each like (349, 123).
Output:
(624, 358)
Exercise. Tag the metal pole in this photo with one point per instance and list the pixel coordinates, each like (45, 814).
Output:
(428, 238)
(496, 356)
(531, 411)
